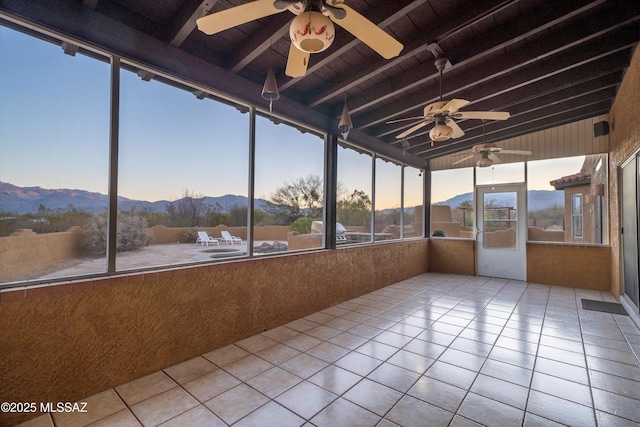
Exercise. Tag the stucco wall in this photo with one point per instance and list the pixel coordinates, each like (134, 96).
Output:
(457, 256)
(587, 267)
(624, 139)
(72, 340)
(26, 250)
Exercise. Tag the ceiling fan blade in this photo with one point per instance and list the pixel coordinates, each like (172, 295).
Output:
(404, 120)
(523, 152)
(462, 160)
(457, 131)
(234, 16)
(411, 130)
(454, 105)
(495, 158)
(486, 115)
(368, 32)
(297, 62)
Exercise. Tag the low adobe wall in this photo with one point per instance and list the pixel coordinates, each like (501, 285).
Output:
(456, 256)
(578, 266)
(26, 250)
(71, 340)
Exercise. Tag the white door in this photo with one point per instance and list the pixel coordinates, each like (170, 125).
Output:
(502, 231)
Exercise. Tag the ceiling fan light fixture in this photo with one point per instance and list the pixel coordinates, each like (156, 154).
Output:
(484, 162)
(312, 32)
(440, 133)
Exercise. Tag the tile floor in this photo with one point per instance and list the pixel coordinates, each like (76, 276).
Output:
(434, 350)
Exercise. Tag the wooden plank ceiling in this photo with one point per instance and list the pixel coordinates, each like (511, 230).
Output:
(548, 63)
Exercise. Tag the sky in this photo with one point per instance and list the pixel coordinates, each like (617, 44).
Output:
(54, 133)
(449, 183)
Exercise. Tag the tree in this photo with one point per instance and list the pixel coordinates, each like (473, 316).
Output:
(187, 211)
(301, 198)
(354, 209)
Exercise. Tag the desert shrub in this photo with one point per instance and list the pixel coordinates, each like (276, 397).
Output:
(190, 235)
(301, 225)
(132, 232)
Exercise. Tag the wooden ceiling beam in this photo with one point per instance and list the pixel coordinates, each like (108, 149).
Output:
(524, 66)
(475, 13)
(185, 20)
(258, 43)
(384, 16)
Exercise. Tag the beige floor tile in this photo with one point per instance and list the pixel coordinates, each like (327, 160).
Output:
(248, 367)
(256, 343)
(190, 369)
(225, 355)
(335, 379)
(98, 406)
(274, 382)
(306, 399)
(342, 413)
(123, 418)
(281, 333)
(373, 396)
(270, 414)
(163, 407)
(278, 353)
(210, 385)
(236, 403)
(199, 416)
(304, 365)
(41, 421)
(145, 387)
(328, 352)
(410, 412)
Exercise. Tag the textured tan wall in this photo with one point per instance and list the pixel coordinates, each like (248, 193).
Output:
(624, 138)
(26, 250)
(87, 337)
(455, 256)
(587, 267)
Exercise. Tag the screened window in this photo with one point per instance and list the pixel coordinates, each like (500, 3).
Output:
(353, 210)
(452, 204)
(413, 202)
(54, 146)
(182, 175)
(289, 187)
(388, 201)
(552, 185)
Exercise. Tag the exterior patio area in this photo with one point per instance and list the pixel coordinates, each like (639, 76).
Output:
(435, 349)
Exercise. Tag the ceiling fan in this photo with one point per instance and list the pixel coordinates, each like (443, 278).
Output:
(487, 153)
(311, 31)
(444, 114)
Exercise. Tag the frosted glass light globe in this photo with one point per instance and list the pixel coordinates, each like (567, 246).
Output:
(312, 32)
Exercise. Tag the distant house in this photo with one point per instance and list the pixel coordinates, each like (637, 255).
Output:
(584, 200)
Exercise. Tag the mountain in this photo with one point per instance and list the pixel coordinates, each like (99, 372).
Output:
(536, 199)
(21, 200)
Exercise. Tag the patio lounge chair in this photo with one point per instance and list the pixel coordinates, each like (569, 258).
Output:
(205, 239)
(229, 239)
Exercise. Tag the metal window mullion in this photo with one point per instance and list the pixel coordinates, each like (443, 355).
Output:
(114, 128)
(330, 190)
(252, 187)
(402, 173)
(373, 198)
(426, 201)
